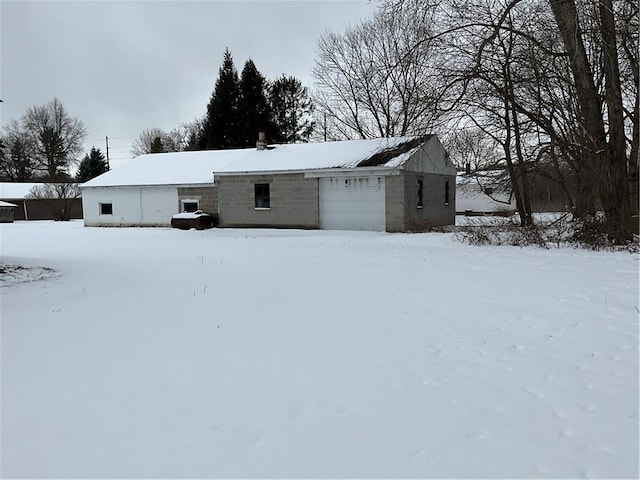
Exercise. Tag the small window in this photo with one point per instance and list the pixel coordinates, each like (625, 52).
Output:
(106, 209)
(262, 197)
(189, 206)
(446, 192)
(488, 190)
(420, 193)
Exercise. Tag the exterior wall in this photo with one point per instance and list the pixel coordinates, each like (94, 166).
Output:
(207, 198)
(431, 158)
(150, 206)
(394, 203)
(435, 212)
(6, 214)
(431, 165)
(471, 200)
(40, 209)
(293, 199)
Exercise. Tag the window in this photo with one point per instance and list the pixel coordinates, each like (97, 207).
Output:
(189, 205)
(263, 199)
(420, 194)
(488, 190)
(106, 209)
(446, 192)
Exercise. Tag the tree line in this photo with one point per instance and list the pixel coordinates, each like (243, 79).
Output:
(240, 106)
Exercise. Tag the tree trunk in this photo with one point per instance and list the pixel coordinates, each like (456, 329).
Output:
(605, 160)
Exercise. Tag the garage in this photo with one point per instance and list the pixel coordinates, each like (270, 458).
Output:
(352, 203)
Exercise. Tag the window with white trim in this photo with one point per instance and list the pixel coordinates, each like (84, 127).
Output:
(190, 205)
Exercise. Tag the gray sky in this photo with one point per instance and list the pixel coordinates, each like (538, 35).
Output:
(123, 66)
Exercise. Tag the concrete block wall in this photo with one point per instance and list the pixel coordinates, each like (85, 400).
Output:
(435, 211)
(294, 201)
(394, 203)
(207, 198)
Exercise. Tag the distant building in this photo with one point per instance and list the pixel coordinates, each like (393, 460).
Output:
(483, 193)
(7, 211)
(34, 208)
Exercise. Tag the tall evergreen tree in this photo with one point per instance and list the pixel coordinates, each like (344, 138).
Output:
(255, 115)
(221, 124)
(92, 165)
(157, 146)
(292, 110)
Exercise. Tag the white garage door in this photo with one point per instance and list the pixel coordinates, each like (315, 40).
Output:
(353, 203)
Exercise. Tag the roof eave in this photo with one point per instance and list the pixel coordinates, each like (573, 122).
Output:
(179, 185)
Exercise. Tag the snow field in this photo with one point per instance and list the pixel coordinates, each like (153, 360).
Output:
(284, 353)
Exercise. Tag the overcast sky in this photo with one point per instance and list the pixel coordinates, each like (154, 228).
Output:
(123, 66)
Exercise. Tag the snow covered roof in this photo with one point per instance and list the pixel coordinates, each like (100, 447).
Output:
(181, 168)
(14, 190)
(6, 204)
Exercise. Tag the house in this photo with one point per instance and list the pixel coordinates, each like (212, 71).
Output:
(387, 184)
(483, 193)
(7, 211)
(35, 208)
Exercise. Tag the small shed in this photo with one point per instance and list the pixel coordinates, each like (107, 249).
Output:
(7, 211)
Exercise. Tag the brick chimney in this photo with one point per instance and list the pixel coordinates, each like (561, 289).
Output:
(261, 144)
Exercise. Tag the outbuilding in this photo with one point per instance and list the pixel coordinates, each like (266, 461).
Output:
(386, 184)
(484, 193)
(30, 208)
(7, 212)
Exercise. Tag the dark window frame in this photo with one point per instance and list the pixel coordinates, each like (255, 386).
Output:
(106, 208)
(262, 196)
(186, 203)
(420, 193)
(446, 192)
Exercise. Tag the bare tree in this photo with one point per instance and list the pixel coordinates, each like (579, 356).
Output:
(472, 149)
(156, 140)
(377, 79)
(148, 139)
(57, 137)
(605, 148)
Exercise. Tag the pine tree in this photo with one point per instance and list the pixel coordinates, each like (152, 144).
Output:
(221, 124)
(254, 112)
(92, 165)
(292, 110)
(157, 146)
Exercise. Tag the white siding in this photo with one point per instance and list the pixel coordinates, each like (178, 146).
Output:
(132, 206)
(471, 198)
(352, 203)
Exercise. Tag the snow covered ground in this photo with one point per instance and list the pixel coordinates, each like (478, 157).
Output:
(264, 353)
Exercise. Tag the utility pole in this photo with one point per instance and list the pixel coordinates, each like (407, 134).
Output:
(106, 141)
(325, 126)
